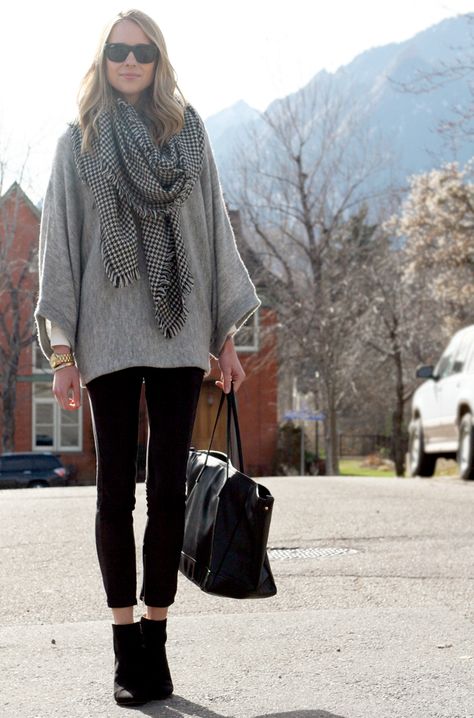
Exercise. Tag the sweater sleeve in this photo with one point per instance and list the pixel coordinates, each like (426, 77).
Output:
(56, 335)
(234, 298)
(59, 249)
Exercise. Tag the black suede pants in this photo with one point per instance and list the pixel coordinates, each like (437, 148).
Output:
(171, 397)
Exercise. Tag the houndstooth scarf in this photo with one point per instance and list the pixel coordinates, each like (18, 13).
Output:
(135, 182)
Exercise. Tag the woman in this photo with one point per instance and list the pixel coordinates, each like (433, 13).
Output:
(140, 282)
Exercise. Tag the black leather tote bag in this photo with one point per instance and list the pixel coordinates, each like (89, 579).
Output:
(227, 522)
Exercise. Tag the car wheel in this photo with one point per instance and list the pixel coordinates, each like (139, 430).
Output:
(466, 448)
(421, 463)
(37, 485)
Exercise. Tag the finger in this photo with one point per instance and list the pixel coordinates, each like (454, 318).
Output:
(61, 392)
(222, 385)
(238, 379)
(227, 383)
(59, 396)
(76, 391)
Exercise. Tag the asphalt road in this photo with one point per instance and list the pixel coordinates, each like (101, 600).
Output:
(385, 630)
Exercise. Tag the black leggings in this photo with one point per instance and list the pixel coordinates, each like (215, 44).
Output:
(171, 395)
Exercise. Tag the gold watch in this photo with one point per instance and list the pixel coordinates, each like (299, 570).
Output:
(56, 360)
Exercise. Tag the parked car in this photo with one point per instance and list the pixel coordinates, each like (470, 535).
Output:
(31, 469)
(443, 409)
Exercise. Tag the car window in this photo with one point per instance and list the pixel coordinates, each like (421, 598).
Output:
(16, 463)
(462, 354)
(444, 366)
(469, 363)
(46, 462)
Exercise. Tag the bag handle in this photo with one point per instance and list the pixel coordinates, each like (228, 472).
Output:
(231, 415)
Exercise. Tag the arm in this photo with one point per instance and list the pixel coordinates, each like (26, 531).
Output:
(60, 270)
(59, 249)
(234, 298)
(58, 338)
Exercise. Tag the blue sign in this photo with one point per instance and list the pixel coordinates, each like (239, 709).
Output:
(305, 415)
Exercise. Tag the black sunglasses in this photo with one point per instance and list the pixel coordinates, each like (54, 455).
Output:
(118, 52)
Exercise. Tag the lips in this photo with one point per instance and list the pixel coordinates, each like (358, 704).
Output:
(129, 75)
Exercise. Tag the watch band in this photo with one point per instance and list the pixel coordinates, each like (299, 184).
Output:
(63, 366)
(56, 360)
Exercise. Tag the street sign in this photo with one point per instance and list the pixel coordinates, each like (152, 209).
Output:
(305, 415)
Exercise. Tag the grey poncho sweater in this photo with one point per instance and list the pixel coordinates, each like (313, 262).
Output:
(111, 328)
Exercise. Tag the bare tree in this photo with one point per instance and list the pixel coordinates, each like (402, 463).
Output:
(18, 289)
(305, 175)
(398, 330)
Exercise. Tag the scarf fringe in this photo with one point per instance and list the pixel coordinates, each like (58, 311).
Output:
(172, 330)
(121, 280)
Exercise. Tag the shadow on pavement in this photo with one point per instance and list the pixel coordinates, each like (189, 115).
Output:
(182, 708)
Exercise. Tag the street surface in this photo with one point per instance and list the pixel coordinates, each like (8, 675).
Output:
(385, 631)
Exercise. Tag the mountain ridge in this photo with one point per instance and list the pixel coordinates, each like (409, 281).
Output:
(409, 120)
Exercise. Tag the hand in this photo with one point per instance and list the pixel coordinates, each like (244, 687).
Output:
(231, 368)
(66, 388)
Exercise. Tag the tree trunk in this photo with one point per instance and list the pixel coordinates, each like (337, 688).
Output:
(331, 436)
(8, 405)
(398, 449)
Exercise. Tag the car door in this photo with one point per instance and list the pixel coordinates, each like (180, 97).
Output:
(17, 470)
(6, 481)
(450, 389)
(434, 423)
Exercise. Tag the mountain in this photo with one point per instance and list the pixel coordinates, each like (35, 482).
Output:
(406, 120)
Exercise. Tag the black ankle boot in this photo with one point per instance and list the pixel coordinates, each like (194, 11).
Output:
(129, 678)
(159, 683)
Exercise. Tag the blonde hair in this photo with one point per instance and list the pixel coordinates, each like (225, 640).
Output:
(162, 103)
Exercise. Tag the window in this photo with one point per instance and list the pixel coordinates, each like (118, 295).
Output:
(40, 363)
(16, 463)
(464, 356)
(246, 338)
(54, 428)
(456, 356)
(443, 368)
(43, 463)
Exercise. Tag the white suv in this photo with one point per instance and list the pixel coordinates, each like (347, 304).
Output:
(443, 408)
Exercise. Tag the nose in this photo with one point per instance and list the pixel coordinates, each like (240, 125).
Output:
(130, 59)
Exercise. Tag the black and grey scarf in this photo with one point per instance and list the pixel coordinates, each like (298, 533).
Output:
(136, 182)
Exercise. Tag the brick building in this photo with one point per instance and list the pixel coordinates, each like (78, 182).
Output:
(42, 426)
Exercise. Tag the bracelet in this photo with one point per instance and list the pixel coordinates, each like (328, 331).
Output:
(61, 366)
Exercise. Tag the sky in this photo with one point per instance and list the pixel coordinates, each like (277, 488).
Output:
(255, 50)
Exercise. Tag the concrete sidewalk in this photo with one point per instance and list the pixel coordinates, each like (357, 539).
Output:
(385, 631)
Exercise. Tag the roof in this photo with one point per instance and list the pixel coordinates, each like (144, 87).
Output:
(15, 189)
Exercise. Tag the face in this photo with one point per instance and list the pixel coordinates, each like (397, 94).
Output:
(129, 77)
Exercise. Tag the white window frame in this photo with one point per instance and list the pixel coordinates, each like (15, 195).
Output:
(38, 369)
(56, 425)
(255, 320)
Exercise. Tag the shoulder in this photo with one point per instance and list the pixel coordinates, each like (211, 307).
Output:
(64, 170)
(64, 141)
(63, 158)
